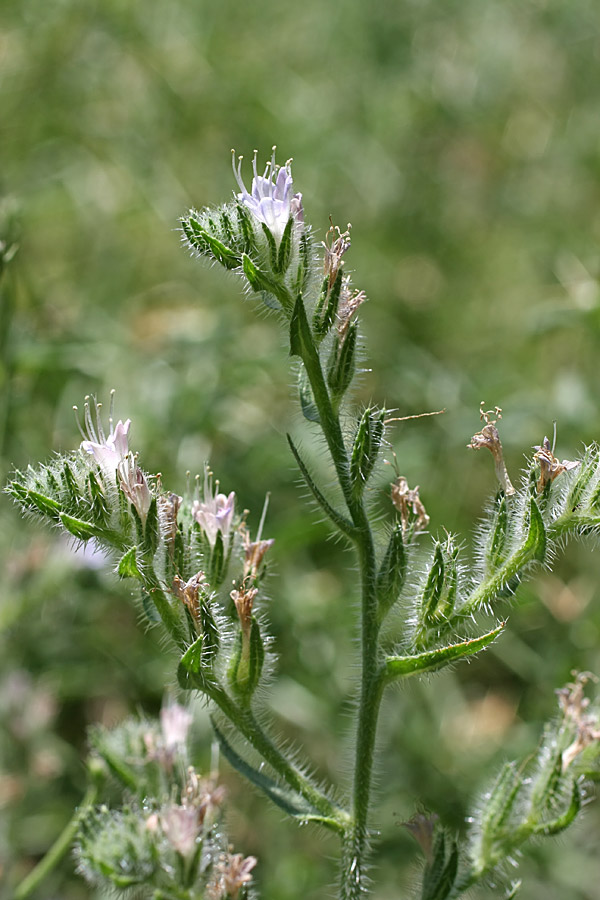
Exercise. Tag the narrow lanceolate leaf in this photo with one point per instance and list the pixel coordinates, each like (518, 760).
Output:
(272, 246)
(44, 505)
(291, 802)
(497, 539)
(365, 449)
(307, 400)
(431, 660)
(274, 293)
(340, 521)
(342, 362)
(78, 528)
(285, 248)
(191, 672)
(392, 572)
(534, 547)
(301, 339)
(205, 242)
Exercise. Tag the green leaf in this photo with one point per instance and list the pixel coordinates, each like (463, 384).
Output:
(128, 567)
(190, 671)
(285, 248)
(535, 543)
(555, 826)
(365, 448)
(151, 529)
(498, 533)
(45, 505)
(340, 521)
(259, 281)
(301, 339)
(342, 362)
(307, 400)
(78, 528)
(392, 571)
(431, 660)
(327, 306)
(291, 802)
(272, 246)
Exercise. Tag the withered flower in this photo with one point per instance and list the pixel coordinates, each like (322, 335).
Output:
(189, 593)
(243, 598)
(336, 243)
(422, 827)
(233, 871)
(407, 501)
(550, 466)
(488, 437)
(349, 303)
(168, 510)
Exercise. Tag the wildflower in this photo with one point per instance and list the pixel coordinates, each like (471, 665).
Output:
(134, 485)
(203, 794)
(550, 467)
(215, 512)
(233, 872)
(181, 826)
(175, 721)
(244, 598)
(188, 592)
(422, 827)
(271, 200)
(107, 451)
(489, 437)
(254, 551)
(407, 500)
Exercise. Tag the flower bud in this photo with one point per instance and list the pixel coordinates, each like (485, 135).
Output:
(248, 656)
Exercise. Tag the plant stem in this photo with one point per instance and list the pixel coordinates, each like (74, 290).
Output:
(58, 849)
(355, 844)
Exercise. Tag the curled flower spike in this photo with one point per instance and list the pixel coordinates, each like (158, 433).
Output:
(489, 437)
(271, 200)
(215, 511)
(109, 451)
(407, 501)
(550, 467)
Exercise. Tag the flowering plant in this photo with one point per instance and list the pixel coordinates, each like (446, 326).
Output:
(183, 550)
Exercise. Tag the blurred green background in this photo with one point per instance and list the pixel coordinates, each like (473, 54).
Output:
(462, 141)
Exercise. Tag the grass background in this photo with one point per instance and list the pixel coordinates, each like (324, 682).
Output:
(461, 140)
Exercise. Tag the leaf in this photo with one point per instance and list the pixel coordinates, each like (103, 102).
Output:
(291, 802)
(340, 521)
(78, 528)
(301, 339)
(307, 400)
(285, 248)
(45, 505)
(128, 567)
(535, 543)
(431, 660)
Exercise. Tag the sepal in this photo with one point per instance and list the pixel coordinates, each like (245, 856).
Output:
(342, 362)
(392, 571)
(365, 448)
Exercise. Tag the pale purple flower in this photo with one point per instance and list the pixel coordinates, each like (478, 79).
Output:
(175, 721)
(271, 199)
(134, 485)
(181, 827)
(108, 451)
(215, 512)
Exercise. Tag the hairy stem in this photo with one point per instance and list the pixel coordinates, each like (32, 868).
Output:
(58, 850)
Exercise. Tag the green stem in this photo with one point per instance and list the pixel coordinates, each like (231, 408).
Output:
(58, 849)
(355, 847)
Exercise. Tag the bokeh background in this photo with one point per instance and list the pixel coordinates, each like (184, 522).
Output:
(462, 141)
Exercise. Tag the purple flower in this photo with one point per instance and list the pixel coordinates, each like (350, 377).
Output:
(107, 451)
(271, 200)
(134, 485)
(215, 512)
